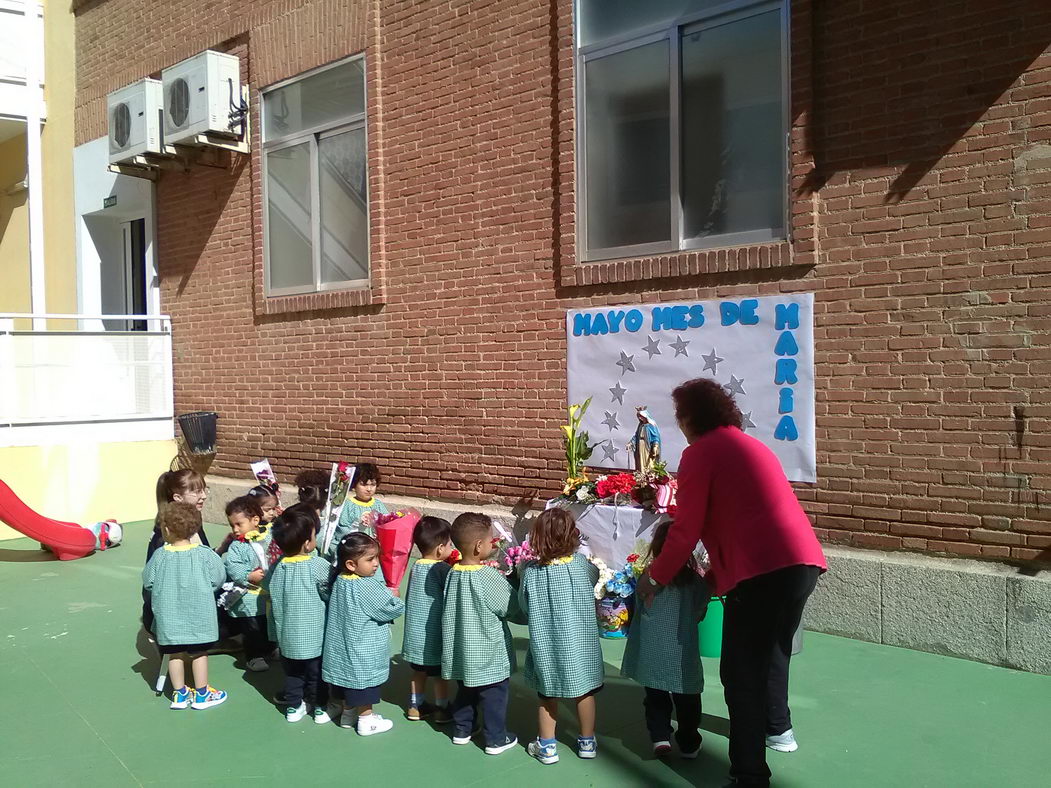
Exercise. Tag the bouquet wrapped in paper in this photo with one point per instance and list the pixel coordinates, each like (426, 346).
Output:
(394, 533)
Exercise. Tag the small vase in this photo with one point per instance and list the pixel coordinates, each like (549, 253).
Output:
(613, 617)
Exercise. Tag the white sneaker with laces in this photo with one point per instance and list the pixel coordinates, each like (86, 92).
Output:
(295, 714)
(258, 665)
(372, 724)
(785, 742)
(321, 716)
(496, 749)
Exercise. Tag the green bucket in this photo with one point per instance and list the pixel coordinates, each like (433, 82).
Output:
(710, 630)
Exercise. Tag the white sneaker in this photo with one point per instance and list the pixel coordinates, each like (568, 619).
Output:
(509, 741)
(321, 716)
(258, 665)
(661, 748)
(297, 713)
(785, 742)
(346, 719)
(372, 724)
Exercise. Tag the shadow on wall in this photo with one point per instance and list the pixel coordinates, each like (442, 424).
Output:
(902, 83)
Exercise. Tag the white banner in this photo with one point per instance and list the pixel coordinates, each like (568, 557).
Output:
(760, 349)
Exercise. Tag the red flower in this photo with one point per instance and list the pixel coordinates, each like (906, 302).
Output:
(454, 558)
(618, 484)
(633, 558)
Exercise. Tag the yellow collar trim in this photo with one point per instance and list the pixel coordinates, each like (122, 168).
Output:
(425, 561)
(468, 567)
(295, 559)
(563, 560)
(371, 502)
(349, 576)
(171, 548)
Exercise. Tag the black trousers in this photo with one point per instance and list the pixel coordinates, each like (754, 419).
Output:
(493, 701)
(760, 618)
(252, 630)
(658, 706)
(303, 682)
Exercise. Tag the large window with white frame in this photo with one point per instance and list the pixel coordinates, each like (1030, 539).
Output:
(315, 181)
(682, 125)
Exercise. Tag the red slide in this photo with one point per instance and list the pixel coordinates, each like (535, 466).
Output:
(66, 540)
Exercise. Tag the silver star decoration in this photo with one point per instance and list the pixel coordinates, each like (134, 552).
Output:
(746, 421)
(736, 386)
(618, 392)
(711, 361)
(626, 363)
(653, 347)
(611, 421)
(609, 451)
(680, 347)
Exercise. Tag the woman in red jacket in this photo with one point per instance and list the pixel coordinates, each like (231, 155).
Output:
(733, 496)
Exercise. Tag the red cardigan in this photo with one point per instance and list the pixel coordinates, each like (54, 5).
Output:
(734, 497)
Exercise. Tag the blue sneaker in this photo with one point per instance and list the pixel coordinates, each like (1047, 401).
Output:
(181, 698)
(545, 753)
(210, 697)
(587, 746)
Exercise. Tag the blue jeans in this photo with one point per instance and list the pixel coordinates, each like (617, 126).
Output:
(493, 700)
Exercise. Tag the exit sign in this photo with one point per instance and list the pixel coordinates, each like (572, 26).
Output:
(109, 202)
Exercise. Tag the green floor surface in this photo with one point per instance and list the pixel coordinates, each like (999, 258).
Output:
(78, 708)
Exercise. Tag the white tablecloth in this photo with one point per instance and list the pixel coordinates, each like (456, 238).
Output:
(613, 533)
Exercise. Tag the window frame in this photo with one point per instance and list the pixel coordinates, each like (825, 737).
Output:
(312, 136)
(672, 32)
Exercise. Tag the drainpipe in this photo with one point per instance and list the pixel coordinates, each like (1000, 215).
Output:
(34, 111)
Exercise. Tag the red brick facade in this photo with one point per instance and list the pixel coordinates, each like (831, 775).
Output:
(921, 183)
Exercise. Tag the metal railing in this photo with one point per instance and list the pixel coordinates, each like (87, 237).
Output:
(53, 379)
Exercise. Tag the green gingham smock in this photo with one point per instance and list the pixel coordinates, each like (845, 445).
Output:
(357, 635)
(424, 602)
(350, 520)
(662, 649)
(182, 581)
(476, 643)
(298, 588)
(564, 658)
(241, 560)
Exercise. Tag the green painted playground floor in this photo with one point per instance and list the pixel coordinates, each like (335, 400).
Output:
(78, 708)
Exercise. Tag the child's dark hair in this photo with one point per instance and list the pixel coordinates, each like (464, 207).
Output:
(178, 521)
(294, 528)
(352, 547)
(366, 472)
(468, 528)
(431, 532)
(688, 574)
(313, 488)
(554, 535)
(261, 493)
(246, 505)
(180, 482)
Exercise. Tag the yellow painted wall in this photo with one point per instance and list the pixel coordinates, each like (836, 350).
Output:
(56, 143)
(87, 482)
(14, 228)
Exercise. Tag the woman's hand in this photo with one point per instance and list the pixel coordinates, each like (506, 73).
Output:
(647, 588)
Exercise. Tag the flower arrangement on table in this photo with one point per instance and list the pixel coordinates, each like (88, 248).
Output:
(654, 489)
(613, 594)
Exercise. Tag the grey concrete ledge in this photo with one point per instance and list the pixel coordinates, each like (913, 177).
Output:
(975, 610)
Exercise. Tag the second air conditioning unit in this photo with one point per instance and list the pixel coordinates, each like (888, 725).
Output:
(202, 96)
(134, 117)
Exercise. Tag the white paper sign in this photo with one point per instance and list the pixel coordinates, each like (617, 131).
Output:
(760, 349)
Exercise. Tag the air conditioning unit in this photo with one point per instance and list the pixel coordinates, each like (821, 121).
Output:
(202, 96)
(134, 114)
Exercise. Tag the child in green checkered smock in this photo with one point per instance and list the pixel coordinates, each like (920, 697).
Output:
(424, 602)
(477, 650)
(182, 578)
(298, 585)
(247, 558)
(564, 660)
(662, 655)
(356, 660)
(361, 507)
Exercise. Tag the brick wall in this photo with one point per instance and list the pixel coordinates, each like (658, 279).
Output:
(921, 181)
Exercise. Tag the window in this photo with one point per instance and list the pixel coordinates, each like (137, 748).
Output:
(682, 129)
(315, 182)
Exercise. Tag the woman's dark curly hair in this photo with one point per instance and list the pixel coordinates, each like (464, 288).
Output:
(702, 405)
